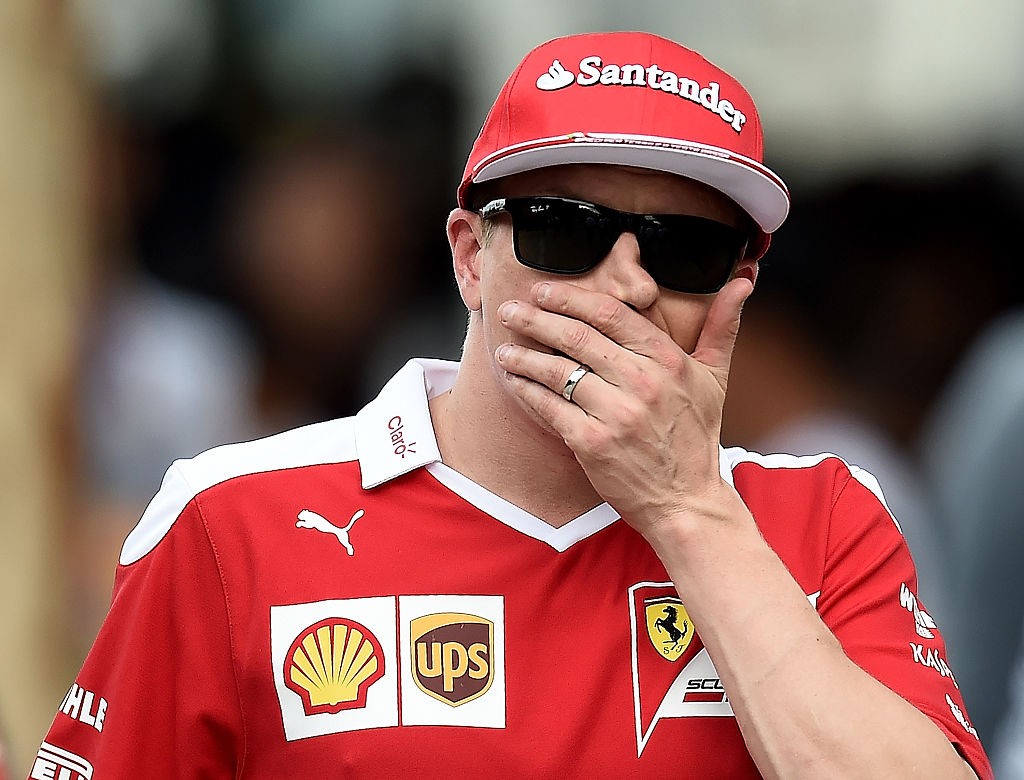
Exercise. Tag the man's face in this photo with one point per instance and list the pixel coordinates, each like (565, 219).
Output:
(620, 274)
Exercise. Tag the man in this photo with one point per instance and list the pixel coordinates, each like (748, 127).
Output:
(539, 562)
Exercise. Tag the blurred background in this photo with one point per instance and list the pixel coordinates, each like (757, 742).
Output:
(223, 218)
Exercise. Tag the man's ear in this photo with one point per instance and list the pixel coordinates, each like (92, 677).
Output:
(465, 237)
(747, 269)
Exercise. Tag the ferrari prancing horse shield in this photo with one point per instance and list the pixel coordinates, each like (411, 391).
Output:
(668, 626)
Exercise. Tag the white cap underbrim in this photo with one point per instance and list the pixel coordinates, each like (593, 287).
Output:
(751, 185)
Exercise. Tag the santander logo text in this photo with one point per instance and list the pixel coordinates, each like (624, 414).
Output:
(592, 70)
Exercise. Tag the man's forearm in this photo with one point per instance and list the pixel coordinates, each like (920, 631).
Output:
(804, 708)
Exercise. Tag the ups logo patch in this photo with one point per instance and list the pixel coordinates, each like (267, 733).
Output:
(452, 654)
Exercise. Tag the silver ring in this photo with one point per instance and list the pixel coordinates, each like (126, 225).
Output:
(574, 379)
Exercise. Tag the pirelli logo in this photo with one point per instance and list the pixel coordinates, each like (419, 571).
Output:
(452, 653)
(56, 762)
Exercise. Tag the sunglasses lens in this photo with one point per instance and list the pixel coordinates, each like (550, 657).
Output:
(682, 253)
(690, 254)
(560, 237)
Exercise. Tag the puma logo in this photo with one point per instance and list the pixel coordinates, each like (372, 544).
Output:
(308, 519)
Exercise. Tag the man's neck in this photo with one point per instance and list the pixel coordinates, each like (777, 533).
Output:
(485, 435)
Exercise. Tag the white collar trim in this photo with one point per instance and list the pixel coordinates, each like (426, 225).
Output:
(394, 434)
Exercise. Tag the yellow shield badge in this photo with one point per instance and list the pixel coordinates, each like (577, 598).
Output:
(668, 626)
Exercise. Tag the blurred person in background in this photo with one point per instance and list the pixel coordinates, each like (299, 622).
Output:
(322, 270)
(162, 370)
(232, 290)
(341, 594)
(793, 390)
(829, 355)
(973, 448)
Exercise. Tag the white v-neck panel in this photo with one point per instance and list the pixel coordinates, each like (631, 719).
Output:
(561, 539)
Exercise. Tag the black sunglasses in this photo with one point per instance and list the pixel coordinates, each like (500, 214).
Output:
(564, 236)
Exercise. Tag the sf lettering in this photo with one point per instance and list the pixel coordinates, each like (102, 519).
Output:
(452, 661)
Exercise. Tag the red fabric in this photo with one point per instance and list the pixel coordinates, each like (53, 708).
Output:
(630, 98)
(185, 663)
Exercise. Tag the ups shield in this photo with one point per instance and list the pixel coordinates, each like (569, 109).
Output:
(451, 656)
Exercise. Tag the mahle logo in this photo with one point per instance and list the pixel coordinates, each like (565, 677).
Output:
(451, 654)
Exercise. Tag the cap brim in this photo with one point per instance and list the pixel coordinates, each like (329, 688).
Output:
(752, 186)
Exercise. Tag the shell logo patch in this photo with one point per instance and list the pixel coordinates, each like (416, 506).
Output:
(668, 626)
(335, 665)
(452, 653)
(374, 662)
(332, 664)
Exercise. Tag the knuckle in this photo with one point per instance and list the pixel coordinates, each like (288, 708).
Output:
(575, 338)
(630, 414)
(557, 375)
(645, 390)
(608, 314)
(675, 363)
(594, 439)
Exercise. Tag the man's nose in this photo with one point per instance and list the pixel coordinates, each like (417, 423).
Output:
(621, 274)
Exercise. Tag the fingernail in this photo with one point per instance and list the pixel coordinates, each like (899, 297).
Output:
(543, 290)
(507, 309)
(503, 352)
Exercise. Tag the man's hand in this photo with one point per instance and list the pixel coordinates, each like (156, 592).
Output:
(645, 423)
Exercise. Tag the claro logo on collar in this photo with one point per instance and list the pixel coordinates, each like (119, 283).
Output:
(398, 442)
(592, 70)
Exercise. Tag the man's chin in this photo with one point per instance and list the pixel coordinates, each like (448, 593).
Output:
(537, 420)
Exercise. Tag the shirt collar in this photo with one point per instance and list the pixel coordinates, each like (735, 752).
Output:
(394, 433)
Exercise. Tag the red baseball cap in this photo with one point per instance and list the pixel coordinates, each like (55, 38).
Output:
(637, 99)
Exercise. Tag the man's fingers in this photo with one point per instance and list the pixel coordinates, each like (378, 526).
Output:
(718, 336)
(575, 338)
(560, 415)
(555, 373)
(611, 317)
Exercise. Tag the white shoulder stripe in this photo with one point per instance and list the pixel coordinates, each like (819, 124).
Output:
(311, 445)
(731, 457)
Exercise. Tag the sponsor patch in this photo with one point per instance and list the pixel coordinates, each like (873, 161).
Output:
(332, 664)
(705, 689)
(310, 519)
(668, 662)
(668, 626)
(923, 622)
(335, 665)
(593, 70)
(60, 764)
(673, 675)
(84, 706)
(961, 718)
(453, 660)
(931, 658)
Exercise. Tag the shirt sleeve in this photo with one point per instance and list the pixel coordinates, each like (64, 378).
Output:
(869, 600)
(157, 694)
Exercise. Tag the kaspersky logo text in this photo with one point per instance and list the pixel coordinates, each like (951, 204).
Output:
(592, 70)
